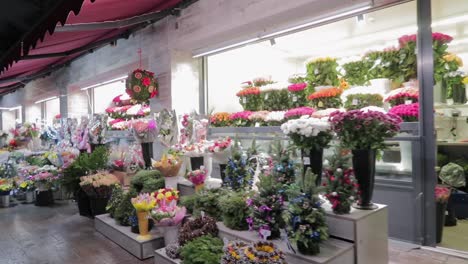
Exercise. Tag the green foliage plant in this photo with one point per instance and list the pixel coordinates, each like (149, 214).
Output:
(202, 250)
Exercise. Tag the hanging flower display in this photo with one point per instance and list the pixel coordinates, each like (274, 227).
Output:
(141, 85)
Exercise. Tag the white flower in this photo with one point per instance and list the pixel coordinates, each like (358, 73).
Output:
(275, 116)
(373, 108)
(339, 170)
(351, 198)
(334, 194)
(134, 109)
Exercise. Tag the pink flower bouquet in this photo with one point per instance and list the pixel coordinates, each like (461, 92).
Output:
(442, 194)
(298, 94)
(197, 177)
(220, 145)
(240, 119)
(144, 130)
(298, 112)
(171, 215)
(407, 112)
(402, 95)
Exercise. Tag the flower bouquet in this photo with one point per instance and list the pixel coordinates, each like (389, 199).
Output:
(167, 125)
(27, 186)
(298, 94)
(407, 112)
(141, 85)
(186, 130)
(258, 252)
(322, 71)
(364, 132)
(144, 130)
(197, 178)
(240, 119)
(219, 149)
(340, 190)
(220, 119)
(261, 81)
(358, 101)
(45, 177)
(298, 112)
(275, 118)
(119, 124)
(258, 118)
(326, 98)
(275, 99)
(402, 96)
(143, 204)
(356, 72)
(169, 165)
(166, 196)
(167, 215)
(250, 99)
(99, 185)
(97, 129)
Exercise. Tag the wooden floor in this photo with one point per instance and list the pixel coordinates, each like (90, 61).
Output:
(53, 235)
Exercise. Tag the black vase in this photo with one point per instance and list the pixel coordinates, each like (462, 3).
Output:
(364, 170)
(98, 205)
(196, 162)
(84, 205)
(147, 151)
(308, 247)
(313, 160)
(44, 198)
(440, 220)
(222, 168)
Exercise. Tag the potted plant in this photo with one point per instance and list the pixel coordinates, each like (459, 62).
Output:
(28, 188)
(340, 189)
(258, 252)
(197, 227)
(234, 210)
(5, 189)
(442, 195)
(206, 249)
(239, 174)
(143, 204)
(364, 132)
(311, 135)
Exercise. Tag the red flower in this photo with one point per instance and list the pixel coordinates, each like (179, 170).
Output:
(154, 93)
(136, 89)
(146, 81)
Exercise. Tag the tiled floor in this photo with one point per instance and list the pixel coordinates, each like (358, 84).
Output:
(50, 235)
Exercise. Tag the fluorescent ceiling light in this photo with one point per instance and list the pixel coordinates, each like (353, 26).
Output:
(450, 21)
(236, 45)
(15, 108)
(104, 83)
(45, 100)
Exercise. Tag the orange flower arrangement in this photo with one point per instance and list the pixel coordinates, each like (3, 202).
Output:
(326, 98)
(220, 119)
(249, 91)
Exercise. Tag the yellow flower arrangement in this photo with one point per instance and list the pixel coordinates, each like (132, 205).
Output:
(144, 202)
(452, 57)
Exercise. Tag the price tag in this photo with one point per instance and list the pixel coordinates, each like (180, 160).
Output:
(257, 124)
(266, 96)
(316, 71)
(244, 100)
(355, 101)
(408, 102)
(225, 241)
(320, 104)
(306, 160)
(265, 233)
(202, 213)
(294, 98)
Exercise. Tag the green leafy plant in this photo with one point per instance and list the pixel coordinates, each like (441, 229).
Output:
(147, 181)
(358, 101)
(276, 100)
(84, 165)
(239, 173)
(206, 201)
(356, 72)
(322, 71)
(234, 210)
(453, 175)
(125, 209)
(115, 200)
(384, 64)
(202, 250)
(37, 161)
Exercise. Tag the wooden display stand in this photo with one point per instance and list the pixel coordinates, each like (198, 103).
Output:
(122, 236)
(367, 229)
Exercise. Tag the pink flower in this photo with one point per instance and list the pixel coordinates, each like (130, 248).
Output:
(136, 89)
(240, 115)
(300, 111)
(296, 87)
(146, 81)
(408, 112)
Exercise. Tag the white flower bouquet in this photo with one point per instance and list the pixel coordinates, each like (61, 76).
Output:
(308, 132)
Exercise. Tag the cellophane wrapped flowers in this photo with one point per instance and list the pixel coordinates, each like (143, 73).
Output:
(144, 202)
(45, 177)
(326, 98)
(359, 129)
(99, 185)
(144, 130)
(308, 132)
(442, 194)
(166, 212)
(197, 177)
(407, 112)
(340, 189)
(169, 165)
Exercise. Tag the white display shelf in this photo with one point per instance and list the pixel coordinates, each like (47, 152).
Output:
(185, 187)
(367, 229)
(332, 251)
(122, 236)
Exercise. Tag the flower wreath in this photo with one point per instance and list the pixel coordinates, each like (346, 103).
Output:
(141, 85)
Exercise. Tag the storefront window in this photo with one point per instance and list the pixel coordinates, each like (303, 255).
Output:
(104, 94)
(52, 109)
(33, 113)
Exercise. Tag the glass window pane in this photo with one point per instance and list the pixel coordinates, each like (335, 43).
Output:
(104, 94)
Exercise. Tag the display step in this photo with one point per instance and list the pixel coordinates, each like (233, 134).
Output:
(332, 251)
(160, 257)
(185, 187)
(122, 236)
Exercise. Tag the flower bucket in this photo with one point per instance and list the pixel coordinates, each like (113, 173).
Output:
(44, 198)
(170, 233)
(29, 197)
(98, 205)
(171, 182)
(5, 201)
(364, 169)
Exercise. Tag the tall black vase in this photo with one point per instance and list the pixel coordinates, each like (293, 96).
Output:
(313, 159)
(364, 170)
(147, 150)
(440, 220)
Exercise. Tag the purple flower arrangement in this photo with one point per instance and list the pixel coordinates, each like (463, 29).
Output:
(407, 112)
(359, 129)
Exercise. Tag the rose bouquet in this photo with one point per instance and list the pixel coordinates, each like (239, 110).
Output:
(341, 189)
(197, 177)
(359, 130)
(220, 119)
(250, 99)
(326, 98)
(275, 98)
(144, 130)
(275, 118)
(298, 94)
(402, 95)
(240, 119)
(258, 118)
(308, 132)
(298, 112)
(407, 112)
(168, 215)
(99, 185)
(169, 165)
(166, 196)
(358, 101)
(144, 202)
(141, 85)
(220, 145)
(322, 71)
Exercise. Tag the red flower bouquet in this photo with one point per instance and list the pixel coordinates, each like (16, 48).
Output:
(402, 95)
(141, 85)
(407, 112)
